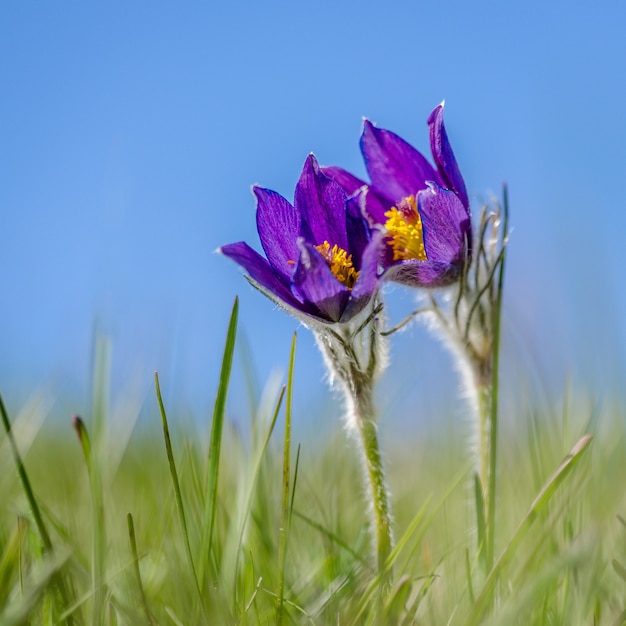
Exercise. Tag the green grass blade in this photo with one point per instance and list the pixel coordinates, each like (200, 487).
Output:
(18, 612)
(468, 574)
(234, 550)
(398, 596)
(481, 530)
(420, 521)
(333, 538)
(97, 523)
(133, 549)
(619, 569)
(11, 559)
(215, 444)
(285, 504)
(177, 492)
(34, 507)
(535, 508)
(28, 491)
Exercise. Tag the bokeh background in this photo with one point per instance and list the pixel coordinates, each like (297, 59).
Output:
(130, 134)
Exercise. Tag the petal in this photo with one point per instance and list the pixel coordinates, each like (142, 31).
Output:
(357, 230)
(415, 273)
(367, 282)
(446, 225)
(322, 205)
(261, 272)
(314, 283)
(444, 157)
(349, 182)
(374, 205)
(278, 224)
(396, 168)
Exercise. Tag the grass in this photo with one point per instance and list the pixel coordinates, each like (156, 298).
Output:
(222, 527)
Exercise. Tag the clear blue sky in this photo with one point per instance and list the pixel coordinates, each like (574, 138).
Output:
(130, 134)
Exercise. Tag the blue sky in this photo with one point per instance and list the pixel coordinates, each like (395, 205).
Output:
(130, 135)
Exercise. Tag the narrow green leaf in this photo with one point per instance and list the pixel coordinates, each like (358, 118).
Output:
(133, 549)
(177, 492)
(256, 467)
(468, 573)
(333, 537)
(285, 504)
(17, 612)
(543, 497)
(620, 570)
(481, 531)
(11, 559)
(21, 470)
(420, 521)
(97, 523)
(398, 596)
(32, 502)
(215, 444)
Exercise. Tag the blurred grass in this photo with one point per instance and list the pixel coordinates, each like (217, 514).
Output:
(121, 555)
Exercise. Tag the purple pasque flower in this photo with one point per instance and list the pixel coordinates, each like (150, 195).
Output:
(423, 210)
(322, 264)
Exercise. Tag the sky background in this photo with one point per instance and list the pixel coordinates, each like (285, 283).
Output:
(131, 133)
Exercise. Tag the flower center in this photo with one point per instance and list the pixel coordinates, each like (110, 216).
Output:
(404, 231)
(340, 263)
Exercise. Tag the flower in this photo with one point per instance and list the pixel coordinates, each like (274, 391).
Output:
(322, 261)
(423, 211)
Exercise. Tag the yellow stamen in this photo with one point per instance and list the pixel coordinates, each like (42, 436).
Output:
(340, 263)
(404, 231)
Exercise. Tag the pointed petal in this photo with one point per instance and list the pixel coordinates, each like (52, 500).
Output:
(322, 205)
(349, 182)
(278, 224)
(446, 225)
(444, 157)
(313, 282)
(260, 271)
(396, 168)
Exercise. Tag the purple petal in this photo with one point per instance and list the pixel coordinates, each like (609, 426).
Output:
(260, 271)
(444, 157)
(278, 224)
(416, 273)
(322, 204)
(367, 282)
(396, 168)
(357, 230)
(314, 283)
(446, 225)
(374, 205)
(349, 182)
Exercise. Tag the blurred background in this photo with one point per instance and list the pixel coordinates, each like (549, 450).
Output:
(130, 135)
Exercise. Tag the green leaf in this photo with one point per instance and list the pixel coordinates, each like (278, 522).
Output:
(215, 444)
(540, 501)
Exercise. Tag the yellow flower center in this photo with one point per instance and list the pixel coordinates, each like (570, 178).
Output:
(340, 263)
(404, 231)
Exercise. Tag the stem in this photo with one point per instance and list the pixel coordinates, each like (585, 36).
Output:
(486, 466)
(375, 478)
(484, 440)
(356, 358)
(497, 319)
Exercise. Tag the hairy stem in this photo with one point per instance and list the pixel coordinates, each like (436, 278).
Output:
(365, 424)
